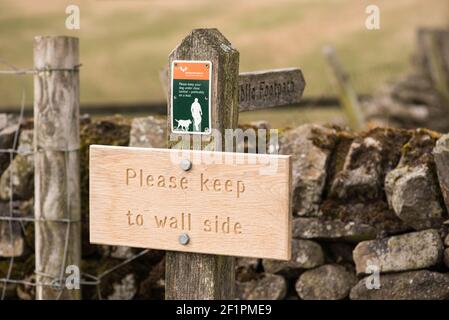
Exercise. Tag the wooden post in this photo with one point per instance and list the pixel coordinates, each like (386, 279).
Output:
(56, 146)
(433, 47)
(347, 95)
(191, 275)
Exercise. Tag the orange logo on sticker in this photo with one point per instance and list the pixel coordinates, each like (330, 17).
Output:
(191, 71)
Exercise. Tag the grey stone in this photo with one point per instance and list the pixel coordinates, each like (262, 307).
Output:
(306, 254)
(117, 252)
(413, 195)
(317, 228)
(412, 285)
(266, 287)
(361, 216)
(360, 176)
(371, 154)
(328, 282)
(20, 171)
(122, 252)
(148, 132)
(246, 268)
(441, 157)
(446, 241)
(252, 263)
(6, 119)
(12, 243)
(11, 246)
(8, 130)
(310, 147)
(126, 289)
(415, 250)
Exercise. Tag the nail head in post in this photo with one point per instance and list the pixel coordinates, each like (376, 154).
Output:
(186, 165)
(184, 239)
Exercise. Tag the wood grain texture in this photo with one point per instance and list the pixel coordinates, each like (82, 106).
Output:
(57, 193)
(56, 93)
(270, 88)
(250, 206)
(209, 276)
(209, 45)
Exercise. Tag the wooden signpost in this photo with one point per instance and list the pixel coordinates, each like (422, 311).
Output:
(270, 88)
(264, 88)
(205, 212)
(195, 275)
(209, 208)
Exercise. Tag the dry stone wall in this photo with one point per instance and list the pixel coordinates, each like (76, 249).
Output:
(370, 216)
(379, 215)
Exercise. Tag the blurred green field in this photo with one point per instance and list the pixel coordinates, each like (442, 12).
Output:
(124, 43)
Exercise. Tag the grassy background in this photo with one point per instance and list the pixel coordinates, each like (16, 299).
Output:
(124, 43)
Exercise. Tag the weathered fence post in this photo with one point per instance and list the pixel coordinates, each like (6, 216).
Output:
(56, 146)
(433, 58)
(347, 95)
(192, 275)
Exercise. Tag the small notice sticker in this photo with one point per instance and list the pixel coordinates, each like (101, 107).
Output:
(191, 96)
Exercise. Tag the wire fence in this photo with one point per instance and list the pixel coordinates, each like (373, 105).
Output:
(14, 217)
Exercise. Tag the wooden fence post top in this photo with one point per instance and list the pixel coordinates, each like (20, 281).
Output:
(211, 45)
(202, 40)
(58, 125)
(55, 52)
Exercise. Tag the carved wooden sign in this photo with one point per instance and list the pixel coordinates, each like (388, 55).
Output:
(270, 88)
(193, 201)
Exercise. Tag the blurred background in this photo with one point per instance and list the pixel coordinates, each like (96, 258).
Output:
(125, 44)
(397, 75)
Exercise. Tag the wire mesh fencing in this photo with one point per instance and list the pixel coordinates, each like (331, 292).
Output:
(14, 223)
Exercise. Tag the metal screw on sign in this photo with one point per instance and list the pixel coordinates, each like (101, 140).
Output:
(184, 239)
(185, 165)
